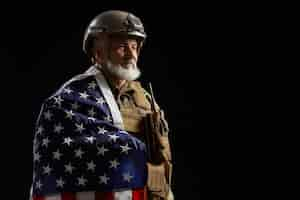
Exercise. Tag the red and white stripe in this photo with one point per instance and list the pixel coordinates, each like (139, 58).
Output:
(137, 194)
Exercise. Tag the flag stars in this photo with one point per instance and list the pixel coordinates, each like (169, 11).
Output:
(48, 115)
(90, 139)
(36, 156)
(78, 162)
(79, 153)
(69, 168)
(67, 141)
(103, 179)
(60, 183)
(81, 181)
(40, 130)
(38, 185)
(70, 114)
(91, 166)
(58, 128)
(92, 85)
(58, 100)
(91, 112)
(47, 170)
(83, 95)
(114, 164)
(67, 90)
(127, 177)
(57, 155)
(113, 137)
(79, 127)
(45, 142)
(125, 149)
(101, 130)
(101, 150)
(100, 101)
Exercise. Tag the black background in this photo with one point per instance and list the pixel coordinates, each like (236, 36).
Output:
(199, 60)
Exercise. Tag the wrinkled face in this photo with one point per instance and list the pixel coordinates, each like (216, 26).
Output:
(123, 51)
(122, 58)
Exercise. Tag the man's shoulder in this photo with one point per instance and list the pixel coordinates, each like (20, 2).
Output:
(80, 83)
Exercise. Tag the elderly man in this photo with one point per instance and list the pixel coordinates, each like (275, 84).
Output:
(102, 135)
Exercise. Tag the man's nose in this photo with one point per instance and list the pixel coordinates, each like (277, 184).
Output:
(129, 53)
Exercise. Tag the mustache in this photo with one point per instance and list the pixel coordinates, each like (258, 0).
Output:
(130, 61)
(126, 72)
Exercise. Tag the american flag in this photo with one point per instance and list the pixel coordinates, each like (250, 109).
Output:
(79, 154)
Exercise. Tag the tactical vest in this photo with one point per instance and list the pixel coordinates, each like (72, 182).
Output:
(134, 105)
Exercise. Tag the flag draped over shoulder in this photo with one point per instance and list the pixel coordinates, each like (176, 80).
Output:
(77, 148)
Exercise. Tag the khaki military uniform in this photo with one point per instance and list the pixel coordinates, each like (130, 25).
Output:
(134, 104)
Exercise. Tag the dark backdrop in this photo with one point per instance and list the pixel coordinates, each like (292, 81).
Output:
(197, 58)
(49, 52)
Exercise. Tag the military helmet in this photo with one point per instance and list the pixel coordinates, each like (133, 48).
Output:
(113, 22)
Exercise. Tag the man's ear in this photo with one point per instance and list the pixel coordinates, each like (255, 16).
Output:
(98, 55)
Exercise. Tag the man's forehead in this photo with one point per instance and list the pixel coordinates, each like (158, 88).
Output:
(124, 38)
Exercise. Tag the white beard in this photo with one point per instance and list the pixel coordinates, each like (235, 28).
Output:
(170, 195)
(129, 72)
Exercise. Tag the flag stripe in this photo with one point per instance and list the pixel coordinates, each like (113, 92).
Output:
(38, 198)
(122, 195)
(104, 196)
(68, 196)
(85, 196)
(53, 197)
(137, 194)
